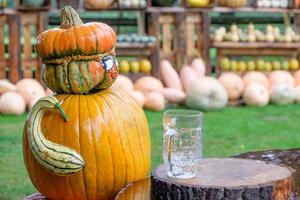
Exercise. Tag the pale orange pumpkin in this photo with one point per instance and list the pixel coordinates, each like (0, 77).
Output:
(187, 75)
(138, 96)
(154, 101)
(281, 77)
(297, 94)
(233, 84)
(6, 86)
(169, 75)
(30, 89)
(110, 132)
(124, 82)
(297, 77)
(198, 65)
(148, 84)
(173, 95)
(256, 94)
(12, 103)
(255, 77)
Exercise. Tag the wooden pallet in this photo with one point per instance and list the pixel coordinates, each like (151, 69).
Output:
(9, 61)
(32, 23)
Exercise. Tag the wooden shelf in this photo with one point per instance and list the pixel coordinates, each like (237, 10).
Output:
(134, 49)
(255, 45)
(136, 76)
(221, 9)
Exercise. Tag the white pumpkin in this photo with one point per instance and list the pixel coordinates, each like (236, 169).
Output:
(255, 77)
(281, 77)
(233, 84)
(256, 94)
(198, 66)
(206, 93)
(283, 94)
(30, 89)
(173, 95)
(139, 97)
(297, 94)
(12, 103)
(124, 82)
(6, 86)
(154, 101)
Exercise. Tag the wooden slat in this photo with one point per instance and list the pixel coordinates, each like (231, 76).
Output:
(166, 19)
(257, 52)
(166, 38)
(253, 45)
(27, 48)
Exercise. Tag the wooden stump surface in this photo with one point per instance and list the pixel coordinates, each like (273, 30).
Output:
(228, 178)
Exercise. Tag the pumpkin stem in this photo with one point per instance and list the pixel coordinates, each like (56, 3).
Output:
(69, 17)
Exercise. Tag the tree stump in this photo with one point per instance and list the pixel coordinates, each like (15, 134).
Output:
(222, 179)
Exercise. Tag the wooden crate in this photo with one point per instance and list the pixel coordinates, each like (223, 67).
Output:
(9, 57)
(168, 28)
(46, 6)
(32, 23)
(197, 37)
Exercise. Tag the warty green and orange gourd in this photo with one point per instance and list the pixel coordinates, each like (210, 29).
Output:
(77, 57)
(86, 146)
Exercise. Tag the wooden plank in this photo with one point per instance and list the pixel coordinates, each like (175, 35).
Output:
(166, 38)
(14, 47)
(254, 45)
(204, 42)
(179, 40)
(166, 19)
(258, 51)
(27, 47)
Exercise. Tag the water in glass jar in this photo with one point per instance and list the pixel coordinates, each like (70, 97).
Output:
(182, 149)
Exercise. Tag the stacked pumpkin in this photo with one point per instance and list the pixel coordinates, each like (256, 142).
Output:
(14, 99)
(90, 139)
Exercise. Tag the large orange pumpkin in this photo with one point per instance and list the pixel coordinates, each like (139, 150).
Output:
(78, 57)
(108, 131)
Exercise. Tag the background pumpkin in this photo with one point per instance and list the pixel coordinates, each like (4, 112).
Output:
(255, 77)
(148, 84)
(138, 96)
(173, 95)
(6, 86)
(110, 131)
(198, 66)
(281, 77)
(187, 75)
(30, 89)
(206, 94)
(169, 75)
(256, 94)
(282, 94)
(12, 103)
(233, 84)
(297, 77)
(154, 101)
(124, 82)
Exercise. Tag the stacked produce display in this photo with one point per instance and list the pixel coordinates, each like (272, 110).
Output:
(84, 142)
(251, 34)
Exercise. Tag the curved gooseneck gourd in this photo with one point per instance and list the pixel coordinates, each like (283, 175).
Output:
(56, 158)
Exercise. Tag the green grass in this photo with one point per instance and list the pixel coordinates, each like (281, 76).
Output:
(228, 132)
